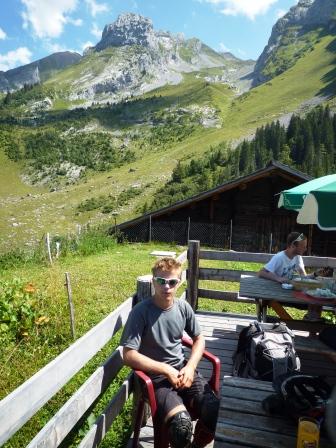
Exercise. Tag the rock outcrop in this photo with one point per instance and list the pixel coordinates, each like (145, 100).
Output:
(307, 14)
(128, 29)
(139, 59)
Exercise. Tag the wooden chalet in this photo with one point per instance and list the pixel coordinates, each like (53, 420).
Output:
(240, 214)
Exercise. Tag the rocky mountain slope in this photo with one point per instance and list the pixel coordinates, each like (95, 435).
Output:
(132, 58)
(61, 168)
(292, 35)
(37, 71)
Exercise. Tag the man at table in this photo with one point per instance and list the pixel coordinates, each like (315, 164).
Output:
(152, 342)
(288, 262)
(285, 264)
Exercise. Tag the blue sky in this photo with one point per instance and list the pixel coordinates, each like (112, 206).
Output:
(32, 29)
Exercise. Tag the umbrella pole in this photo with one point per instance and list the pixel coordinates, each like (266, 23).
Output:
(310, 239)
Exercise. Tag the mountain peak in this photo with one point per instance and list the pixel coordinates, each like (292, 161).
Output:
(128, 29)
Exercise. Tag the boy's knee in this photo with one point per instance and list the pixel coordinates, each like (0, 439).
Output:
(180, 430)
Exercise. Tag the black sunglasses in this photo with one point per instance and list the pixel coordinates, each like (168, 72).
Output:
(171, 282)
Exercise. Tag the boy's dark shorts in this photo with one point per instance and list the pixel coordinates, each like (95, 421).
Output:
(167, 398)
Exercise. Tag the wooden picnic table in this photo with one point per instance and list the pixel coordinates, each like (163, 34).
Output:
(270, 293)
(242, 421)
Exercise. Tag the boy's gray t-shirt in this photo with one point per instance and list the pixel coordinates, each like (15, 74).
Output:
(157, 333)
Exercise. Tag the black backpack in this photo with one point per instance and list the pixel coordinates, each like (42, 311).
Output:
(265, 351)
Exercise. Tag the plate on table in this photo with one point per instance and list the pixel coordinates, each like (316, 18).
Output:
(286, 286)
(321, 293)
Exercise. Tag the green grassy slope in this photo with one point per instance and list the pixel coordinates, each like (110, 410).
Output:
(312, 75)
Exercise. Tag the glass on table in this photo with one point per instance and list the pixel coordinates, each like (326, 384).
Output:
(308, 433)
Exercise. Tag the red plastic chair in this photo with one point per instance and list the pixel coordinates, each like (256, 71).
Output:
(160, 430)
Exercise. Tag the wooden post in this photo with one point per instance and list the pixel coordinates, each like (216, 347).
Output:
(144, 288)
(271, 243)
(150, 229)
(71, 307)
(192, 273)
(58, 247)
(48, 247)
(188, 230)
(310, 239)
(230, 243)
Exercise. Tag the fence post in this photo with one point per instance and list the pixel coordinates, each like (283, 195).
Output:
(271, 243)
(192, 273)
(188, 230)
(71, 307)
(48, 247)
(144, 289)
(150, 229)
(58, 248)
(230, 244)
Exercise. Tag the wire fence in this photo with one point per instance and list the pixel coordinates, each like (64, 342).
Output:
(222, 236)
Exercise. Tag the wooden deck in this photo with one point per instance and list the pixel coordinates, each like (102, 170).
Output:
(221, 334)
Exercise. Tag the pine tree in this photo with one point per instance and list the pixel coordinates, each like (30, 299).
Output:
(285, 155)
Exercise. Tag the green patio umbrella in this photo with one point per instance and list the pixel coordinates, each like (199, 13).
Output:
(314, 200)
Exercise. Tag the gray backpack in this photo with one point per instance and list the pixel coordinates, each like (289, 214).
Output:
(265, 351)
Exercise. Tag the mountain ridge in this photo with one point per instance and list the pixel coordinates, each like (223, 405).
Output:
(36, 71)
(299, 20)
(130, 59)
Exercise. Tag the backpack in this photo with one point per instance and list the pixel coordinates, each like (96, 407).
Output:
(265, 351)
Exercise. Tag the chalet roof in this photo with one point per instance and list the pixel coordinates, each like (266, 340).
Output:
(272, 166)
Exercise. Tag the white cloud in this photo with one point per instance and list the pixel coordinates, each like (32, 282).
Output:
(53, 47)
(241, 53)
(47, 18)
(75, 22)
(13, 58)
(223, 47)
(95, 31)
(3, 35)
(87, 44)
(280, 13)
(96, 8)
(248, 8)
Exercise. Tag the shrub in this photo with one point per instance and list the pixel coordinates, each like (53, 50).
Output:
(19, 309)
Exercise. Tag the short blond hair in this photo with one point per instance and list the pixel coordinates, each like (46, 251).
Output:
(166, 264)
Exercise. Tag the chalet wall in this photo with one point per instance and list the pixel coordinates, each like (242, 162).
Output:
(258, 225)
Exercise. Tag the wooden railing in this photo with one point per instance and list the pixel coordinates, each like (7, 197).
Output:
(196, 272)
(25, 401)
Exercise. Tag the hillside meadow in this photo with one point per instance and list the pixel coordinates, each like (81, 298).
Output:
(29, 211)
